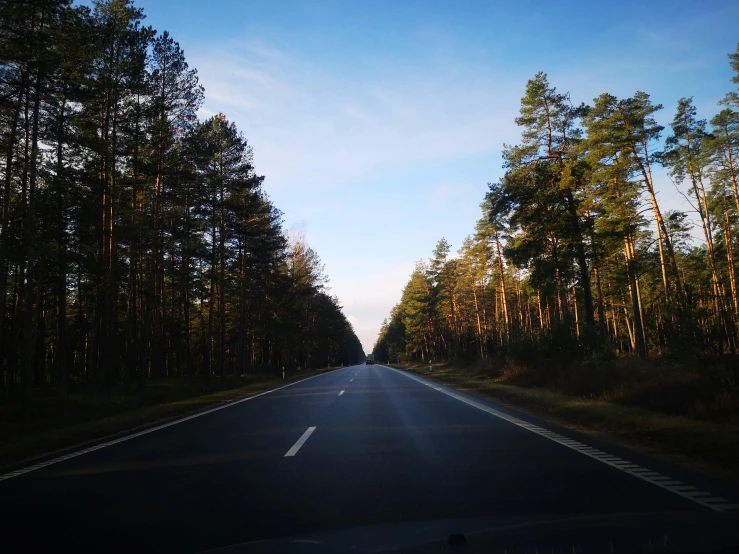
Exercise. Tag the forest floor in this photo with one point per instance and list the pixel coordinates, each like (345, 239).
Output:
(60, 423)
(711, 447)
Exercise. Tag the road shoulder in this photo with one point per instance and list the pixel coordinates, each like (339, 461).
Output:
(32, 448)
(708, 448)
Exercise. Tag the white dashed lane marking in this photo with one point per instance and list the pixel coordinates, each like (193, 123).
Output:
(342, 392)
(301, 441)
(706, 499)
(76, 453)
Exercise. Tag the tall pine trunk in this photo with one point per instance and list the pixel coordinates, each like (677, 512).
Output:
(222, 281)
(30, 232)
(501, 275)
(730, 263)
(638, 339)
(61, 283)
(5, 221)
(665, 244)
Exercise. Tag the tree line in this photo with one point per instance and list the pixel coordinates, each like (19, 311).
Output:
(137, 241)
(574, 254)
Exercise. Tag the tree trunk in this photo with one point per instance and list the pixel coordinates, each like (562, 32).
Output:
(13, 133)
(480, 339)
(501, 274)
(582, 264)
(729, 151)
(638, 341)
(211, 301)
(599, 292)
(133, 359)
(541, 314)
(705, 216)
(221, 284)
(662, 233)
(730, 262)
(61, 284)
(577, 317)
(28, 327)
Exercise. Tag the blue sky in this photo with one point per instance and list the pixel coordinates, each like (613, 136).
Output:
(378, 124)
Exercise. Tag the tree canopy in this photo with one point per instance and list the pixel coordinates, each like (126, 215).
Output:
(136, 240)
(574, 252)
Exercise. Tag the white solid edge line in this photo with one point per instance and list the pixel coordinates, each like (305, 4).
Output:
(342, 392)
(558, 439)
(100, 446)
(301, 441)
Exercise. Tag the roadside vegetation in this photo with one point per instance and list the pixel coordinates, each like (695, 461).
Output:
(576, 281)
(140, 255)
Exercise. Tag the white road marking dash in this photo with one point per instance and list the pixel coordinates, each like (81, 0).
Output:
(301, 441)
(106, 444)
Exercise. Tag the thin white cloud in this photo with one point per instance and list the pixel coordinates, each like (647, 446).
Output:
(303, 120)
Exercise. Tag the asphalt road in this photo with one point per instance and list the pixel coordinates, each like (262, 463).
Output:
(309, 457)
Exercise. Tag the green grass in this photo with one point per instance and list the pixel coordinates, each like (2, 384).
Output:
(703, 445)
(62, 422)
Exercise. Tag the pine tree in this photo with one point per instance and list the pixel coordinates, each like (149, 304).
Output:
(126, 226)
(686, 156)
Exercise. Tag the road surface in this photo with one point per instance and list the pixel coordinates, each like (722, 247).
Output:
(358, 446)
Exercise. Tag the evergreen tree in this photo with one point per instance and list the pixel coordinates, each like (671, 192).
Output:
(135, 241)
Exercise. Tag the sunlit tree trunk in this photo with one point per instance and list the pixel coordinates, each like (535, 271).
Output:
(730, 262)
